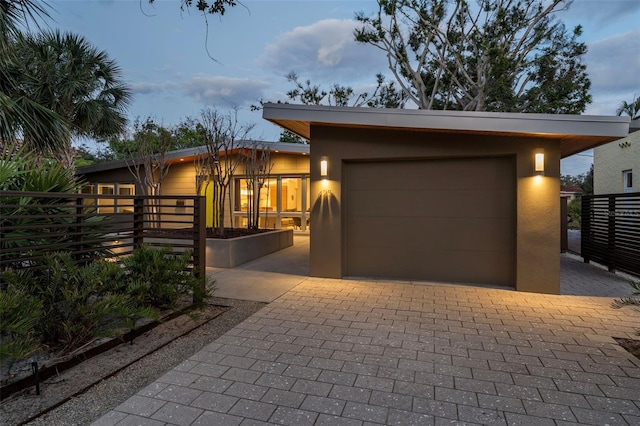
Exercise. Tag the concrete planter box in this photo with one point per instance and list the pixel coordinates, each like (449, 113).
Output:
(232, 252)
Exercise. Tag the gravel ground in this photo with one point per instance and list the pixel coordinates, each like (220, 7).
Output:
(109, 393)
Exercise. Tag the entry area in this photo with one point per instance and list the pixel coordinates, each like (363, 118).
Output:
(450, 220)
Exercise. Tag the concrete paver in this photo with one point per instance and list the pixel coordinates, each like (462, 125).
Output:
(380, 352)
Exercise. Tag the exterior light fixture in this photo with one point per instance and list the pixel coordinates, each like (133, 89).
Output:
(539, 163)
(323, 168)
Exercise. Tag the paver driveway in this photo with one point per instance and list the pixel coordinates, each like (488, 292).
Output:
(343, 352)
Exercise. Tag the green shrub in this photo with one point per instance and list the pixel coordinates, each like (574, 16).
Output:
(158, 278)
(574, 210)
(78, 303)
(63, 305)
(19, 315)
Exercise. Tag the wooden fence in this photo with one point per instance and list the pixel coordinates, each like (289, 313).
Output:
(87, 226)
(611, 231)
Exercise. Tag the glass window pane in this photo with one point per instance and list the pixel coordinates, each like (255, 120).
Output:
(126, 205)
(292, 194)
(243, 195)
(269, 196)
(106, 205)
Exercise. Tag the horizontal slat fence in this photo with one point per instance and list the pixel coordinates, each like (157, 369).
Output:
(611, 231)
(33, 224)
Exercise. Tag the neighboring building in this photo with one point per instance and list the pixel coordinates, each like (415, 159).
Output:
(284, 200)
(570, 192)
(616, 165)
(439, 195)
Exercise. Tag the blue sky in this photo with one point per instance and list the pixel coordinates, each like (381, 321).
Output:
(162, 53)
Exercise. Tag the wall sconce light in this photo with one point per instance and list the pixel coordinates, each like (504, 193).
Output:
(323, 168)
(539, 163)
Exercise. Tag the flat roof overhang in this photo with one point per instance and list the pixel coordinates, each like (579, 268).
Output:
(576, 133)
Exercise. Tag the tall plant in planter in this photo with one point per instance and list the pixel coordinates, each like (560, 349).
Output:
(224, 140)
(258, 167)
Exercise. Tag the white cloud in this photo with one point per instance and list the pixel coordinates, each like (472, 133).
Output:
(218, 90)
(151, 88)
(324, 51)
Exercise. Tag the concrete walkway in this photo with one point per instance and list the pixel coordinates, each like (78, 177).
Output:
(347, 352)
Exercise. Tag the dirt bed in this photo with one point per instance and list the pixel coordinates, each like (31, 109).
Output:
(136, 365)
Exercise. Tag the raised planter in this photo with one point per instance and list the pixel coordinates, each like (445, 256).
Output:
(228, 253)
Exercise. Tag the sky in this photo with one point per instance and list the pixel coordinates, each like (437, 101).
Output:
(176, 63)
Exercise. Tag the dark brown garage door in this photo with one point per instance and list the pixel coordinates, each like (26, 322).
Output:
(441, 220)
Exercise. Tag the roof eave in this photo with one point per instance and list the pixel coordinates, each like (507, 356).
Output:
(580, 132)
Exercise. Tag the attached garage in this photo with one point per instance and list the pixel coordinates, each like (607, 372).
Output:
(436, 220)
(447, 196)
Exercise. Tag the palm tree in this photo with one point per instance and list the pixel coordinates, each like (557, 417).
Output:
(631, 109)
(19, 114)
(65, 73)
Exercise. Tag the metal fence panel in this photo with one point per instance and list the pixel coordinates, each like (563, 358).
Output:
(89, 226)
(611, 231)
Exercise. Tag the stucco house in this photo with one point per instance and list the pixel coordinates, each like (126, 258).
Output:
(466, 197)
(616, 165)
(450, 196)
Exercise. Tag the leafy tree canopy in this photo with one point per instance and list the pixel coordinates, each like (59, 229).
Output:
(385, 94)
(66, 74)
(493, 55)
(213, 7)
(20, 115)
(156, 137)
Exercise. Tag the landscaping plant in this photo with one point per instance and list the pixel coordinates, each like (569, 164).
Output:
(633, 300)
(19, 314)
(77, 301)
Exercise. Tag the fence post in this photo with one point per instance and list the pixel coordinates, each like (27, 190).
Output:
(585, 227)
(78, 228)
(564, 225)
(200, 238)
(138, 221)
(611, 234)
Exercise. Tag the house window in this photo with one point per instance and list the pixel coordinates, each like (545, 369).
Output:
(113, 205)
(627, 181)
(126, 205)
(291, 194)
(283, 202)
(267, 202)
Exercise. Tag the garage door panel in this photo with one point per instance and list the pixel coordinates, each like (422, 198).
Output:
(461, 174)
(432, 233)
(444, 220)
(433, 203)
(430, 265)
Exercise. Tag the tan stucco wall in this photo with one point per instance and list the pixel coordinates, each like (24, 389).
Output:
(538, 197)
(610, 160)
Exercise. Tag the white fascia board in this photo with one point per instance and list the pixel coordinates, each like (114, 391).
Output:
(288, 147)
(493, 122)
